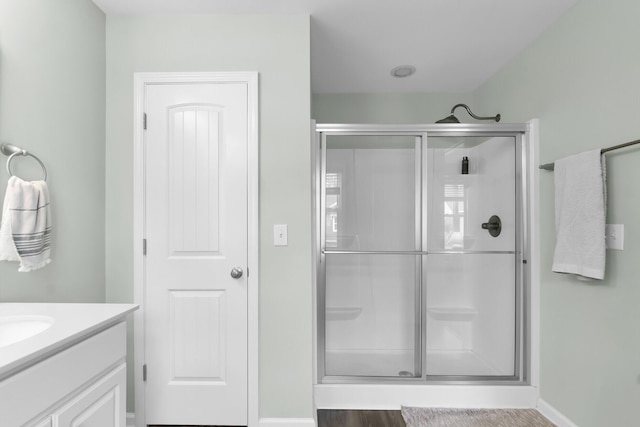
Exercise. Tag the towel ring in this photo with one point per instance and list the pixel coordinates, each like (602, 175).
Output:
(25, 153)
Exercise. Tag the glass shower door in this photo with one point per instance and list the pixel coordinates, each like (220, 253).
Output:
(371, 256)
(472, 263)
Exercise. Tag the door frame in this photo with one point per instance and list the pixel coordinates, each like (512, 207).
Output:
(141, 80)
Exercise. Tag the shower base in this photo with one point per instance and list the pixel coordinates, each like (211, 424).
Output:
(394, 396)
(401, 363)
(371, 380)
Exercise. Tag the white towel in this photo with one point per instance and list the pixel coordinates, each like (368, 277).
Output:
(580, 183)
(25, 232)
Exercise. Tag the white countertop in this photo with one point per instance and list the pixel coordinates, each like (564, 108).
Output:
(72, 323)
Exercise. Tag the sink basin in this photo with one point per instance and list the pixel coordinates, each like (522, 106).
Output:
(14, 329)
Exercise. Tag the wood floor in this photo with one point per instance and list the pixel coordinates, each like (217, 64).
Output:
(338, 418)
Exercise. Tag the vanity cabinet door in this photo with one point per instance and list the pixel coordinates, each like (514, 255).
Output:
(101, 405)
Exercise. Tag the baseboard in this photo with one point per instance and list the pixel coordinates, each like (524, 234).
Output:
(264, 422)
(287, 422)
(554, 415)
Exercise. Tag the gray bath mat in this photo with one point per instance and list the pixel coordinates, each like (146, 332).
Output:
(445, 417)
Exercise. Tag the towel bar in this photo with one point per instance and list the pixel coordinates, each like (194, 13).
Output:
(13, 151)
(551, 166)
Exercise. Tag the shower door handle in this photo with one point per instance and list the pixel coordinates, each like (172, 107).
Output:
(236, 272)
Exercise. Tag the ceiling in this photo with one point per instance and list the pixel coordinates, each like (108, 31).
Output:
(455, 45)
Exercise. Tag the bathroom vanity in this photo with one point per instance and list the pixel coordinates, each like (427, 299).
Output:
(63, 364)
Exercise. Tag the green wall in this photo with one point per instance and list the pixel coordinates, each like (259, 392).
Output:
(400, 108)
(52, 103)
(278, 48)
(581, 78)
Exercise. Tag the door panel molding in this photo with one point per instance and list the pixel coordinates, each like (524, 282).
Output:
(141, 81)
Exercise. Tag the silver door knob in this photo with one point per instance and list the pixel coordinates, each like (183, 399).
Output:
(236, 272)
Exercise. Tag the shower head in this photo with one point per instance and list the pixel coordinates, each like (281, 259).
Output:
(453, 119)
(449, 119)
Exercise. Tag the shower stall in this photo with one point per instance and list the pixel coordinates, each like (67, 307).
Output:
(423, 261)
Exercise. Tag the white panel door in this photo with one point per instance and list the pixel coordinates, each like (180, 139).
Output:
(196, 231)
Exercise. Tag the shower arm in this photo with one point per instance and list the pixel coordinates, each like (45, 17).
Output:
(466, 107)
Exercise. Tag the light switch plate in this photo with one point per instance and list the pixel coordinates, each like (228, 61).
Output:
(614, 236)
(280, 237)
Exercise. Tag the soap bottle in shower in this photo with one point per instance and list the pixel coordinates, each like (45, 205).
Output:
(465, 165)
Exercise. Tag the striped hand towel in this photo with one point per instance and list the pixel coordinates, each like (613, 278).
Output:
(25, 232)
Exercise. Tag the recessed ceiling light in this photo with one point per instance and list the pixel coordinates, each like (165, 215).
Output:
(402, 71)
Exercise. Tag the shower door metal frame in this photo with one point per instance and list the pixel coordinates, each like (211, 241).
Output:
(322, 252)
(520, 253)
(422, 133)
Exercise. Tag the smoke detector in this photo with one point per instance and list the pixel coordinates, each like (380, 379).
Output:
(403, 71)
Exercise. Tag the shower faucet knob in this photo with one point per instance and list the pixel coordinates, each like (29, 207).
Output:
(494, 226)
